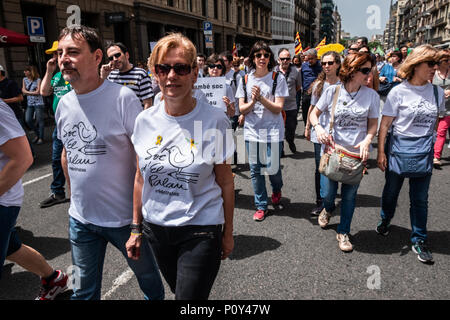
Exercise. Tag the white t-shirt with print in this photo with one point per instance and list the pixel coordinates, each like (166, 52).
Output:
(261, 124)
(323, 118)
(96, 130)
(176, 158)
(414, 109)
(351, 115)
(9, 129)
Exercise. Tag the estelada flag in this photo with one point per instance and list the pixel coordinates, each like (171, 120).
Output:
(234, 52)
(322, 43)
(298, 44)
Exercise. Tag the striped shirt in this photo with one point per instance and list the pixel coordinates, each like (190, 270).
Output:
(136, 79)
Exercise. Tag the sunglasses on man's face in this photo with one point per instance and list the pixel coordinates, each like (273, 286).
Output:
(330, 63)
(365, 71)
(431, 64)
(218, 66)
(180, 69)
(259, 55)
(116, 55)
(285, 59)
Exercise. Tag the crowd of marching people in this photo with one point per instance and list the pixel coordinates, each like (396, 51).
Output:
(169, 206)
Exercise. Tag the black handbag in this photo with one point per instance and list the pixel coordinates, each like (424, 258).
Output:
(385, 87)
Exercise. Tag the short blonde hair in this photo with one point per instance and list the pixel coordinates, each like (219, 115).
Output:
(423, 53)
(172, 41)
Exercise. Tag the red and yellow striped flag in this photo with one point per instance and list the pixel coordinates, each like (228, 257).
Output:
(322, 43)
(234, 52)
(298, 44)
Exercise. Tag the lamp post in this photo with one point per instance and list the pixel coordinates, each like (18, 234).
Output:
(283, 6)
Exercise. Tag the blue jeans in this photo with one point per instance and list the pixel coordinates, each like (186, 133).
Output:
(418, 197)
(264, 159)
(88, 244)
(348, 199)
(59, 180)
(9, 240)
(188, 257)
(40, 116)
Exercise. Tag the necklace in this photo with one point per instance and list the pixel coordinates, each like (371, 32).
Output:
(352, 97)
(443, 78)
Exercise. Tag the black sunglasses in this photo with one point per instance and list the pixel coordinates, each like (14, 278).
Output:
(284, 59)
(116, 55)
(180, 69)
(330, 63)
(365, 71)
(218, 66)
(259, 55)
(432, 63)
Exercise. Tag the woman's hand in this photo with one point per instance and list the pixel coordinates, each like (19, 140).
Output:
(241, 120)
(364, 149)
(308, 132)
(383, 79)
(227, 245)
(229, 105)
(322, 135)
(256, 93)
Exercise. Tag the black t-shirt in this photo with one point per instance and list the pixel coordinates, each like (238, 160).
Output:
(10, 89)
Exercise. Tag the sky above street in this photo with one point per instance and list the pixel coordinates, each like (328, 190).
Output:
(363, 17)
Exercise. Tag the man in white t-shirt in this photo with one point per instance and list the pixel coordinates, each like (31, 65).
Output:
(15, 159)
(95, 122)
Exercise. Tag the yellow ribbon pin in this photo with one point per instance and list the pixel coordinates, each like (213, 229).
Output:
(158, 140)
(192, 142)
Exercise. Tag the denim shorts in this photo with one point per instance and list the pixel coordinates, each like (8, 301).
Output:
(9, 240)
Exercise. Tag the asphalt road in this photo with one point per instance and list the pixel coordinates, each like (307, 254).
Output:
(285, 257)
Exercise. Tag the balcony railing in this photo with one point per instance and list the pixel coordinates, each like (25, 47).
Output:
(440, 21)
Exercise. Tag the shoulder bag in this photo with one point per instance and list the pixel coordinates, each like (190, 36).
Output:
(337, 163)
(412, 157)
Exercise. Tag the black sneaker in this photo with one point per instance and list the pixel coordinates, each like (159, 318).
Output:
(383, 227)
(422, 251)
(316, 211)
(52, 200)
(292, 147)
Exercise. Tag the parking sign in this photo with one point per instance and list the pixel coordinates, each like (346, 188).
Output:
(36, 29)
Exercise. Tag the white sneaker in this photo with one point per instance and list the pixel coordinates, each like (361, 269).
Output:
(324, 218)
(344, 242)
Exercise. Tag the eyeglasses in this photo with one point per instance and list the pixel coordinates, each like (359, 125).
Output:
(259, 55)
(330, 63)
(218, 66)
(365, 71)
(431, 64)
(116, 55)
(180, 69)
(284, 59)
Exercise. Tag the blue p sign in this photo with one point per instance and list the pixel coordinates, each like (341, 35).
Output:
(207, 26)
(35, 26)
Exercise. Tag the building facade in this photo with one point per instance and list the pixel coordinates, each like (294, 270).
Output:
(307, 14)
(417, 22)
(283, 23)
(327, 21)
(137, 24)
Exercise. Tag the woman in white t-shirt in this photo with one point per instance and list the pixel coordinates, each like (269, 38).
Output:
(215, 67)
(261, 101)
(355, 125)
(412, 110)
(184, 188)
(331, 65)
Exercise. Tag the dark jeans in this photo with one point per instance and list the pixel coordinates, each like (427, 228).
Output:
(40, 118)
(59, 180)
(306, 103)
(418, 197)
(188, 257)
(9, 240)
(291, 125)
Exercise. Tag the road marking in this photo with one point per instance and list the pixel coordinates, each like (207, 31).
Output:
(119, 281)
(37, 179)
